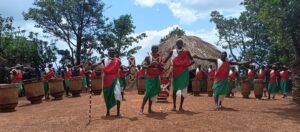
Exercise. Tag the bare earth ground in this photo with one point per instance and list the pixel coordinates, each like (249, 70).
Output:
(71, 114)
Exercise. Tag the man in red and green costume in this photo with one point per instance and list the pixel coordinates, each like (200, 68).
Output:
(272, 87)
(250, 77)
(154, 67)
(200, 75)
(181, 60)
(17, 78)
(233, 75)
(221, 77)
(284, 79)
(111, 85)
(262, 75)
(49, 74)
(82, 74)
(67, 76)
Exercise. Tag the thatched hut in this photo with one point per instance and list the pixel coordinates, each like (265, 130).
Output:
(195, 45)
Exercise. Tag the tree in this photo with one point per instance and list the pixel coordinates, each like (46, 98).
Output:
(77, 22)
(120, 37)
(282, 19)
(176, 32)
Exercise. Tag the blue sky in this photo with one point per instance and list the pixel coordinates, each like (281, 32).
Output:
(154, 17)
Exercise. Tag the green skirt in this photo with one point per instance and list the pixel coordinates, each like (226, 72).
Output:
(283, 86)
(233, 84)
(221, 87)
(122, 82)
(84, 82)
(20, 88)
(272, 87)
(181, 81)
(46, 87)
(109, 95)
(152, 87)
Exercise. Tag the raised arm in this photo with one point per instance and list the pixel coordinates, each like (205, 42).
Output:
(207, 59)
(169, 56)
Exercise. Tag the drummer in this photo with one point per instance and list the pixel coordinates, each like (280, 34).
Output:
(49, 74)
(284, 79)
(17, 77)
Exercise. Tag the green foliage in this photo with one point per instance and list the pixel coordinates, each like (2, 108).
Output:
(16, 48)
(77, 22)
(120, 37)
(176, 32)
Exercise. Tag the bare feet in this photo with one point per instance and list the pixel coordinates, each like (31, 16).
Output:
(181, 109)
(141, 112)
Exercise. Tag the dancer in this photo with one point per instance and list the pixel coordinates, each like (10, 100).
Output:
(221, 77)
(181, 60)
(49, 74)
(284, 79)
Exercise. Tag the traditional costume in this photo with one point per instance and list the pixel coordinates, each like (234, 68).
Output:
(221, 80)
(49, 74)
(152, 81)
(272, 88)
(180, 72)
(111, 86)
(67, 76)
(82, 73)
(283, 83)
(233, 79)
(200, 77)
(17, 78)
(250, 76)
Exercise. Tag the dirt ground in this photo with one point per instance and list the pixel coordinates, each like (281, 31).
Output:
(71, 114)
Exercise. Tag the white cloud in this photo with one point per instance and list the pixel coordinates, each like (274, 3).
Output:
(189, 11)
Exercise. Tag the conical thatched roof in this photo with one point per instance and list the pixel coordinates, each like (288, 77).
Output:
(195, 45)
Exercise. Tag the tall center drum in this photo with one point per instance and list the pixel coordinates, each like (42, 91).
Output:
(258, 88)
(245, 88)
(56, 88)
(76, 86)
(97, 85)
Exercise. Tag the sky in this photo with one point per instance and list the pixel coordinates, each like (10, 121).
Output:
(156, 18)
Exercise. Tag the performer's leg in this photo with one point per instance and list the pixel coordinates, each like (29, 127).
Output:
(107, 112)
(118, 108)
(181, 103)
(143, 105)
(174, 101)
(150, 106)
(216, 101)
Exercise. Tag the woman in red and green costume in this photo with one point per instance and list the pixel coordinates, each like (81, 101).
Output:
(221, 77)
(154, 67)
(272, 87)
(49, 73)
(111, 85)
(67, 76)
(181, 60)
(283, 83)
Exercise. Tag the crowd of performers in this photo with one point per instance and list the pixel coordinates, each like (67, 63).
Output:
(152, 70)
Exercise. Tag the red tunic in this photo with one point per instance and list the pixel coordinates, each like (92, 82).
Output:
(68, 75)
(212, 73)
(200, 74)
(251, 74)
(49, 75)
(153, 72)
(180, 63)
(284, 75)
(261, 74)
(140, 73)
(223, 71)
(121, 72)
(111, 71)
(233, 75)
(18, 77)
(272, 77)
(82, 72)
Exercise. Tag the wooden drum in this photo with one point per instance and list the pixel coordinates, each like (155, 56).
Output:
(245, 89)
(196, 87)
(56, 88)
(76, 86)
(258, 88)
(8, 97)
(34, 91)
(97, 85)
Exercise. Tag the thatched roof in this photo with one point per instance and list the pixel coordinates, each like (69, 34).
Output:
(195, 45)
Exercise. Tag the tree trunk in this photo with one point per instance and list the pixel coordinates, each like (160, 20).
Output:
(78, 50)
(296, 69)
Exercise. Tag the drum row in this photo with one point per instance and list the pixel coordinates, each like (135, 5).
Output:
(34, 91)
